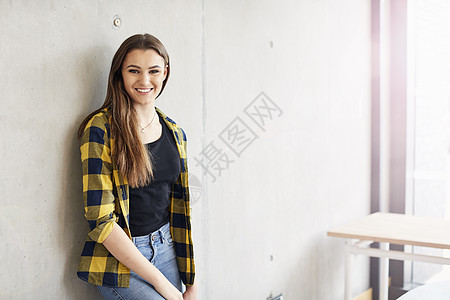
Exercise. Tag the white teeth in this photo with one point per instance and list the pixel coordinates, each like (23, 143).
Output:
(143, 90)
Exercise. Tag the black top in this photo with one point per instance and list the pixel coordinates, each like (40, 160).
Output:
(149, 205)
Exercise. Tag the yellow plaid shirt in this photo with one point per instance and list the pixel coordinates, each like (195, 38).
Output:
(106, 200)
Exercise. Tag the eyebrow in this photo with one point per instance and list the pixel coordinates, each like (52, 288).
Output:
(137, 67)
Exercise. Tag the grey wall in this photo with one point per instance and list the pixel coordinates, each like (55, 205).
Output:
(260, 226)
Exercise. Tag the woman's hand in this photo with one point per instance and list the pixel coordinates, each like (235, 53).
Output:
(191, 292)
(168, 290)
(171, 293)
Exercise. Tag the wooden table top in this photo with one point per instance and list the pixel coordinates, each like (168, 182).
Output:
(397, 229)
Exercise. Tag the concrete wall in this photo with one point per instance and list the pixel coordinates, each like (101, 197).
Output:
(260, 224)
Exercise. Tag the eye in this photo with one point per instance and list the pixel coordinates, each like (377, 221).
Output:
(133, 71)
(154, 71)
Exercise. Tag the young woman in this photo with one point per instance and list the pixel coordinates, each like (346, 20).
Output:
(135, 186)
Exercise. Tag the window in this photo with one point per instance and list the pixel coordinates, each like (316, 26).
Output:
(428, 121)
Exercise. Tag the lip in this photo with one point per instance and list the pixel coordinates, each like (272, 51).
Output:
(143, 91)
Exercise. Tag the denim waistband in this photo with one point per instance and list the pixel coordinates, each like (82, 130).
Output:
(163, 233)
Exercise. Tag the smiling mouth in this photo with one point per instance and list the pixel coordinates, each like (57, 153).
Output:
(144, 90)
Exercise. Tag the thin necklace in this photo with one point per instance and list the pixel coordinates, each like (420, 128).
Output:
(143, 128)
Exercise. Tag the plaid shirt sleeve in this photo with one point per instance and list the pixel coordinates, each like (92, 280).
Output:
(102, 206)
(97, 180)
(180, 223)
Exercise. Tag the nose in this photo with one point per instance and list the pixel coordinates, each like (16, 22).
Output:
(144, 78)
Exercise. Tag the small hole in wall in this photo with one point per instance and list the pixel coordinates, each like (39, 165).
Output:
(117, 22)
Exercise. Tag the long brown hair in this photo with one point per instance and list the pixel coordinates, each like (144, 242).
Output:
(129, 153)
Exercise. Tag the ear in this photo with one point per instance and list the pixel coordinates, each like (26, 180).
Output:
(166, 70)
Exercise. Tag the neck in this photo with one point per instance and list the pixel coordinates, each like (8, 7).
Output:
(145, 113)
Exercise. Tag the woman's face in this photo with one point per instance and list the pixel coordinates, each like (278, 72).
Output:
(143, 73)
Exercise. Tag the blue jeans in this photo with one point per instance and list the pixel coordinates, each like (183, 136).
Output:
(158, 248)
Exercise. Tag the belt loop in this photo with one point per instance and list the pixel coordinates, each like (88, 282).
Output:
(161, 235)
(164, 234)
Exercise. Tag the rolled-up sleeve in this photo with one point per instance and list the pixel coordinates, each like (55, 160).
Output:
(97, 180)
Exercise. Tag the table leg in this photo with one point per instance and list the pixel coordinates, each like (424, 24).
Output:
(348, 271)
(384, 273)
